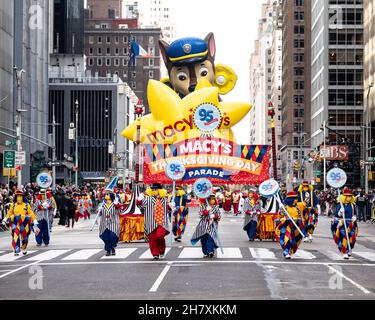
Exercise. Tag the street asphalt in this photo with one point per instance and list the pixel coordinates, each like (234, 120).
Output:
(73, 266)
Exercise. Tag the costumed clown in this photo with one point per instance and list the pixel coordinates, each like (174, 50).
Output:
(22, 220)
(338, 229)
(306, 193)
(227, 201)
(109, 227)
(155, 206)
(236, 198)
(52, 211)
(207, 229)
(252, 209)
(286, 233)
(43, 205)
(180, 213)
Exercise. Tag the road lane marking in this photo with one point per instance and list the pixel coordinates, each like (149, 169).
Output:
(261, 253)
(48, 255)
(191, 253)
(161, 277)
(148, 255)
(18, 269)
(366, 255)
(304, 255)
(10, 257)
(120, 254)
(363, 289)
(82, 254)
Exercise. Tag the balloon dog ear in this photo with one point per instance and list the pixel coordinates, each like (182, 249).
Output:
(210, 39)
(164, 46)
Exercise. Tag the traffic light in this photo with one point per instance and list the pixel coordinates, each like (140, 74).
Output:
(296, 166)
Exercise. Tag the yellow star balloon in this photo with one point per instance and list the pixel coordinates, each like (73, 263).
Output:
(172, 118)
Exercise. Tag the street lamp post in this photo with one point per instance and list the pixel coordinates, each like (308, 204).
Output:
(19, 79)
(366, 137)
(324, 158)
(76, 136)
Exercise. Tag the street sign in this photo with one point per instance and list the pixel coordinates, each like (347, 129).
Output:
(9, 159)
(10, 143)
(20, 158)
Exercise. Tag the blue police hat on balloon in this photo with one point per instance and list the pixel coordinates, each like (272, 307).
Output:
(187, 50)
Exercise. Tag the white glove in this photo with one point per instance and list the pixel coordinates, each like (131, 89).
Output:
(36, 230)
(354, 219)
(141, 197)
(5, 222)
(35, 222)
(341, 223)
(341, 212)
(172, 205)
(45, 205)
(209, 208)
(319, 209)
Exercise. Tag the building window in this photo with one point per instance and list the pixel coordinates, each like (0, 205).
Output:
(100, 41)
(299, 15)
(134, 85)
(125, 62)
(134, 74)
(91, 62)
(91, 51)
(299, 43)
(99, 62)
(117, 51)
(151, 51)
(151, 74)
(99, 51)
(108, 40)
(117, 62)
(91, 39)
(125, 51)
(117, 40)
(151, 62)
(108, 62)
(108, 51)
(151, 40)
(125, 39)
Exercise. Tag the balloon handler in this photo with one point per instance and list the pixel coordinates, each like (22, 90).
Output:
(180, 213)
(109, 227)
(22, 221)
(252, 208)
(207, 228)
(306, 193)
(337, 223)
(287, 234)
(155, 206)
(43, 206)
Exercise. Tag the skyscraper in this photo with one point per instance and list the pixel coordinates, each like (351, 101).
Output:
(337, 79)
(296, 105)
(68, 26)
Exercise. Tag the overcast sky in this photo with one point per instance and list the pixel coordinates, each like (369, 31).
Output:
(235, 25)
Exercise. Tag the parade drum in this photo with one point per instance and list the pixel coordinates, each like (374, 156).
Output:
(269, 188)
(203, 188)
(336, 178)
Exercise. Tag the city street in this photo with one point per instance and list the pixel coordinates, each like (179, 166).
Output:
(74, 266)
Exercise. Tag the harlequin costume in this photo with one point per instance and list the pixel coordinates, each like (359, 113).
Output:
(286, 232)
(52, 211)
(87, 206)
(156, 226)
(236, 197)
(306, 193)
(42, 207)
(109, 227)
(79, 210)
(227, 201)
(180, 213)
(252, 209)
(207, 229)
(21, 222)
(338, 228)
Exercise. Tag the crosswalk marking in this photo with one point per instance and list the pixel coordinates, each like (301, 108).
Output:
(332, 255)
(48, 255)
(120, 254)
(229, 253)
(184, 253)
(366, 255)
(261, 253)
(303, 254)
(82, 254)
(148, 255)
(196, 253)
(11, 257)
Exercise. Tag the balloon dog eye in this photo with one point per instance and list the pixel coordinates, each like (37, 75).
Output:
(182, 76)
(203, 72)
